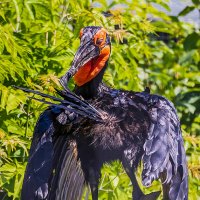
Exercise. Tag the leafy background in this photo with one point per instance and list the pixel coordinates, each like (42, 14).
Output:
(38, 39)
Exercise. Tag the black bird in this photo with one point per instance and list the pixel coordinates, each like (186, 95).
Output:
(97, 124)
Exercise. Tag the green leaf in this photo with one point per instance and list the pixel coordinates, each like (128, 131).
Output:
(12, 178)
(192, 41)
(12, 103)
(196, 2)
(186, 10)
(4, 96)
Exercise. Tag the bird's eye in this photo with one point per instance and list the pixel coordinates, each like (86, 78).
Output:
(100, 38)
(99, 41)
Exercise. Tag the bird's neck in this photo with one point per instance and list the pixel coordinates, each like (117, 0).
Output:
(90, 89)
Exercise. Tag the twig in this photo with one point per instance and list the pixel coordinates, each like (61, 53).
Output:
(18, 16)
(54, 35)
(87, 194)
(47, 38)
(101, 186)
(27, 117)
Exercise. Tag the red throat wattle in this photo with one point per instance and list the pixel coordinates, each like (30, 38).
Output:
(90, 70)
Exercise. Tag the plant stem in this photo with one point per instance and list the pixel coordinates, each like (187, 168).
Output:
(47, 38)
(87, 194)
(18, 15)
(26, 130)
(27, 117)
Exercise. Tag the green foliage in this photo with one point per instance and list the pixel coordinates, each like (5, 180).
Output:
(37, 42)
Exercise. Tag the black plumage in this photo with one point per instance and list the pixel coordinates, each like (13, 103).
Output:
(69, 148)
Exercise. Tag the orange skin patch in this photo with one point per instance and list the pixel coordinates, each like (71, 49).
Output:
(90, 70)
(100, 38)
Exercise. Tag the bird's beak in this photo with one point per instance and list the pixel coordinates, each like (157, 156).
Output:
(84, 54)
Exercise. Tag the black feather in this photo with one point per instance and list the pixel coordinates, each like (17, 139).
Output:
(164, 151)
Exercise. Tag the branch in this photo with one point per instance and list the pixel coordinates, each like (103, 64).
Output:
(18, 16)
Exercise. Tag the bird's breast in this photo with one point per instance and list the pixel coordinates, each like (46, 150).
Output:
(123, 122)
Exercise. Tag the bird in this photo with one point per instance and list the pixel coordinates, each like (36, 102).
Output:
(95, 124)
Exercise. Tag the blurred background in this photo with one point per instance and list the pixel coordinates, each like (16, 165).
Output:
(155, 43)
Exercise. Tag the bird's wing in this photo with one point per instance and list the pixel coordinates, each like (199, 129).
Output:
(67, 180)
(39, 165)
(53, 167)
(164, 153)
(52, 161)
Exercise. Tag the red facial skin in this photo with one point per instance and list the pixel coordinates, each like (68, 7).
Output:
(90, 70)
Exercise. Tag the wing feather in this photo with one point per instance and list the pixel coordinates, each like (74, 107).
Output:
(39, 164)
(51, 153)
(68, 181)
(163, 150)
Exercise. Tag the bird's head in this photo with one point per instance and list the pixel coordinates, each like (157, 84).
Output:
(91, 56)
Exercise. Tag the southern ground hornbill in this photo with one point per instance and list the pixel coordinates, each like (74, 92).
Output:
(96, 124)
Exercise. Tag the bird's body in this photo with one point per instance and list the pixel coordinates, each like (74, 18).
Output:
(125, 125)
(73, 140)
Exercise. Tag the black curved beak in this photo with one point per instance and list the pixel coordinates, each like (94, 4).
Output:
(85, 53)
